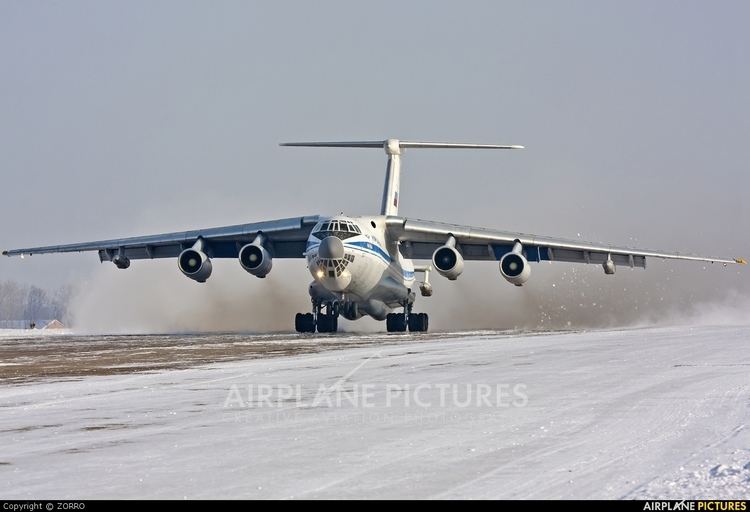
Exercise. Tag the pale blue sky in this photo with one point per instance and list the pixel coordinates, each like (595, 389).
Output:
(126, 118)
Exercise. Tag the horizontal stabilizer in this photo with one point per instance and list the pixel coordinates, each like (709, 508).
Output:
(393, 148)
(399, 143)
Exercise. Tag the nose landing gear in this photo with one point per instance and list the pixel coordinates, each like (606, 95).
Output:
(324, 322)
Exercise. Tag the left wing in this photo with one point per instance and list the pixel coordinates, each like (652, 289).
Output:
(419, 240)
(285, 238)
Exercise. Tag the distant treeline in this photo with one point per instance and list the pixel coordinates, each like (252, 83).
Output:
(31, 303)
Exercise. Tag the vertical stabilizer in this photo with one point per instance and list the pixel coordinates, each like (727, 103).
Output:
(389, 205)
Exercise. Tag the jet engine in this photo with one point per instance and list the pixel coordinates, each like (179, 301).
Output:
(514, 267)
(448, 261)
(256, 259)
(195, 264)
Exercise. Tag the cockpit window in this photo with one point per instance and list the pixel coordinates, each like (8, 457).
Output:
(342, 229)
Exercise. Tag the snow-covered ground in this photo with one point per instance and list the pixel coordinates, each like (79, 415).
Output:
(661, 412)
(30, 333)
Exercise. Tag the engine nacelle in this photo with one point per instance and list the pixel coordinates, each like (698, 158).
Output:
(256, 259)
(195, 265)
(515, 268)
(448, 262)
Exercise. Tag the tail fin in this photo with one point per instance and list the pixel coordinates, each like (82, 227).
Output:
(393, 147)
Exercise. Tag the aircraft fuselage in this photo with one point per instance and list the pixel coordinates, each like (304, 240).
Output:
(351, 260)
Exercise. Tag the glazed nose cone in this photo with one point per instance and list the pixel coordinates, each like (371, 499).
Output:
(331, 247)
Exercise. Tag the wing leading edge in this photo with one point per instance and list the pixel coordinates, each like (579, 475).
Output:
(286, 238)
(419, 240)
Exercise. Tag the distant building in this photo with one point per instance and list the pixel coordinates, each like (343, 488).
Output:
(54, 324)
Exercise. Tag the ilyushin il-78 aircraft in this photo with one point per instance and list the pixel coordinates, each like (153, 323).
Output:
(365, 265)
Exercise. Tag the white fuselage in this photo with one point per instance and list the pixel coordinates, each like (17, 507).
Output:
(370, 271)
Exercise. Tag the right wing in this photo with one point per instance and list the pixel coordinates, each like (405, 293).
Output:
(285, 238)
(420, 238)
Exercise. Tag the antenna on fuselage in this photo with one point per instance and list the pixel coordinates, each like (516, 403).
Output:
(393, 147)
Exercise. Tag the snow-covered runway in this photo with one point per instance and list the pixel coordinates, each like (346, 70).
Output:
(660, 412)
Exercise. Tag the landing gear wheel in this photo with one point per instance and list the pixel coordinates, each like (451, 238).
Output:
(418, 322)
(304, 322)
(395, 322)
(328, 323)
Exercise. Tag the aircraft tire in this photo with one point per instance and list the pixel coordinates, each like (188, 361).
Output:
(418, 322)
(396, 322)
(304, 322)
(327, 323)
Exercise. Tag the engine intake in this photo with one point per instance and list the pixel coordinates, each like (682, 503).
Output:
(195, 264)
(448, 261)
(255, 259)
(515, 268)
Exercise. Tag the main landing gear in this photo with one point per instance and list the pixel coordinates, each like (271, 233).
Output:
(324, 322)
(399, 322)
(329, 321)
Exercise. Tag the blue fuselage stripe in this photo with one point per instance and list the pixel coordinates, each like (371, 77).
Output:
(368, 248)
(371, 247)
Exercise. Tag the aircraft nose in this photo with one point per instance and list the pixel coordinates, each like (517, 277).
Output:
(331, 247)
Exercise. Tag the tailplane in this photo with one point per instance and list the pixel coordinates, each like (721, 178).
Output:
(393, 148)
